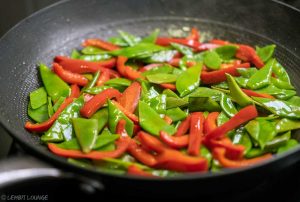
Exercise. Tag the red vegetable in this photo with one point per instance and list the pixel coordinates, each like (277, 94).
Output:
(168, 119)
(210, 122)
(173, 141)
(207, 46)
(194, 35)
(90, 107)
(141, 154)
(196, 133)
(42, 127)
(212, 77)
(183, 127)
(130, 115)
(131, 96)
(151, 143)
(248, 54)
(168, 86)
(150, 66)
(164, 41)
(134, 170)
(121, 64)
(100, 44)
(219, 42)
(220, 155)
(256, 94)
(243, 116)
(69, 77)
(104, 76)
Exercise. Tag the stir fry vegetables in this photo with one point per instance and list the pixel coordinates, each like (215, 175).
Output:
(161, 106)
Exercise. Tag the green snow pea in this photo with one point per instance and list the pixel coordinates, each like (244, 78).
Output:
(212, 60)
(279, 71)
(118, 41)
(151, 122)
(159, 69)
(261, 130)
(83, 163)
(92, 50)
(95, 57)
(206, 154)
(160, 56)
(295, 100)
(287, 124)
(102, 117)
(255, 152)
(172, 102)
(226, 52)
(247, 72)
(262, 77)
(242, 81)
(280, 108)
(199, 57)
(38, 98)
(240, 136)
(71, 144)
(118, 82)
(62, 128)
(222, 118)
(95, 90)
(266, 52)
(114, 116)
(170, 93)
(274, 144)
(93, 81)
(130, 39)
(40, 114)
(292, 143)
(176, 114)
(281, 94)
(75, 54)
(50, 107)
(152, 37)
(222, 85)
(86, 131)
(206, 92)
(55, 87)
(282, 84)
(189, 80)
(158, 103)
(104, 140)
(236, 93)
(182, 49)
(58, 103)
(161, 78)
(227, 105)
(203, 104)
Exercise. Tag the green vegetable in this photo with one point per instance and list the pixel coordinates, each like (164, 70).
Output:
(104, 140)
(71, 144)
(96, 90)
(176, 114)
(222, 118)
(92, 50)
(50, 107)
(75, 54)
(206, 154)
(206, 92)
(212, 60)
(86, 131)
(203, 104)
(189, 80)
(172, 102)
(226, 52)
(240, 136)
(159, 69)
(247, 72)
(266, 52)
(170, 93)
(102, 117)
(282, 94)
(255, 152)
(182, 49)
(159, 56)
(118, 81)
(262, 77)
(151, 38)
(95, 57)
(151, 122)
(227, 105)
(55, 87)
(130, 39)
(295, 100)
(92, 82)
(38, 98)
(287, 124)
(161, 78)
(118, 41)
(58, 103)
(279, 71)
(40, 114)
(277, 142)
(282, 84)
(292, 143)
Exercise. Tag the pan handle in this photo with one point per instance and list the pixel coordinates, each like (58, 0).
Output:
(16, 170)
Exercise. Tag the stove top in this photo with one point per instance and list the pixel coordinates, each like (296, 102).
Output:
(282, 187)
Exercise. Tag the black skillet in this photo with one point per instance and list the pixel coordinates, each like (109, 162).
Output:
(61, 27)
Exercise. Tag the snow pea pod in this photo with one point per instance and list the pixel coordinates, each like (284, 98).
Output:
(158, 103)
(96, 90)
(75, 54)
(176, 114)
(38, 98)
(114, 115)
(287, 124)
(92, 50)
(159, 69)
(280, 108)
(292, 143)
(205, 92)
(212, 60)
(86, 131)
(226, 52)
(152, 37)
(58, 103)
(182, 49)
(279, 71)
(151, 122)
(102, 117)
(255, 152)
(261, 130)
(172, 102)
(130, 39)
(236, 93)
(203, 104)
(159, 56)
(240, 136)
(117, 41)
(282, 94)
(246, 72)
(274, 144)
(71, 144)
(50, 107)
(282, 84)
(242, 82)
(266, 52)
(161, 78)
(295, 100)
(105, 139)
(222, 118)
(118, 81)
(39, 114)
(189, 80)
(95, 57)
(227, 105)
(262, 77)
(54, 86)
(170, 93)
(62, 128)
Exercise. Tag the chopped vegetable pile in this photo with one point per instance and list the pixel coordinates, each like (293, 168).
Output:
(161, 106)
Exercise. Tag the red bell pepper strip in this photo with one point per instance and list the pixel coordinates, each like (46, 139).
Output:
(233, 151)
(104, 76)
(207, 46)
(132, 74)
(219, 42)
(136, 129)
(69, 77)
(243, 116)
(212, 77)
(183, 127)
(131, 96)
(100, 44)
(121, 64)
(168, 119)
(220, 155)
(168, 86)
(130, 115)
(196, 133)
(42, 127)
(164, 41)
(90, 107)
(173, 141)
(174, 62)
(151, 143)
(150, 66)
(194, 34)
(210, 122)
(134, 170)
(256, 94)
(87, 97)
(248, 54)
(140, 154)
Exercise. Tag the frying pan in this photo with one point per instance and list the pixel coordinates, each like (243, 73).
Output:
(61, 27)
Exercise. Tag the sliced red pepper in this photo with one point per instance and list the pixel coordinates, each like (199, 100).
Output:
(212, 77)
(219, 42)
(210, 122)
(151, 143)
(132, 74)
(81, 66)
(87, 97)
(257, 94)
(68, 76)
(168, 119)
(134, 170)
(173, 141)
(130, 115)
(131, 96)
(207, 46)
(141, 154)
(136, 129)
(100, 44)
(194, 34)
(150, 66)
(248, 54)
(243, 116)
(196, 133)
(220, 155)
(42, 127)
(168, 86)
(164, 41)
(174, 62)
(104, 76)
(183, 127)
(90, 107)
(121, 64)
